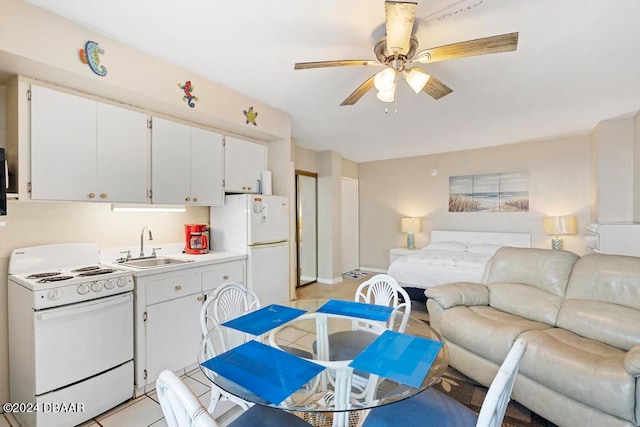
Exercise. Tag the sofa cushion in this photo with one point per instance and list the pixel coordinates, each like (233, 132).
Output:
(529, 282)
(589, 371)
(603, 300)
(484, 330)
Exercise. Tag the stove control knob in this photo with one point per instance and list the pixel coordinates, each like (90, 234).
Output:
(97, 286)
(54, 294)
(110, 284)
(122, 282)
(83, 288)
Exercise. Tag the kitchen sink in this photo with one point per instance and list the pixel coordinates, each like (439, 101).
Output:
(154, 262)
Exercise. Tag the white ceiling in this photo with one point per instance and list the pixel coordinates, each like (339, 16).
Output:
(577, 63)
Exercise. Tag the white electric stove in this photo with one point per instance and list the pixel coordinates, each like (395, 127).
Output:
(70, 333)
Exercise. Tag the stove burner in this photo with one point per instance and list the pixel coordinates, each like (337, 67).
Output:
(54, 279)
(41, 275)
(97, 272)
(83, 269)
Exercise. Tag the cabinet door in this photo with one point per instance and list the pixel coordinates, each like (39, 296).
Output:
(63, 146)
(170, 162)
(206, 168)
(122, 161)
(244, 161)
(256, 162)
(173, 335)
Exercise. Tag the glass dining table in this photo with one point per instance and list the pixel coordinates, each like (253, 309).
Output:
(282, 356)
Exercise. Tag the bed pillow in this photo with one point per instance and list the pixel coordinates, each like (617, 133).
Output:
(483, 248)
(446, 246)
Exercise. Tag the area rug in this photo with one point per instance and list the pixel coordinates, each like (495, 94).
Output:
(356, 274)
(472, 394)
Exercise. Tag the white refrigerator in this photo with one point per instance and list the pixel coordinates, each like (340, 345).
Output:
(257, 225)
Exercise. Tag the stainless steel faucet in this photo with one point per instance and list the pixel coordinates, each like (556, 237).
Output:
(146, 227)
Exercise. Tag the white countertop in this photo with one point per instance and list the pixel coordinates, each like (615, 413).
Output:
(173, 250)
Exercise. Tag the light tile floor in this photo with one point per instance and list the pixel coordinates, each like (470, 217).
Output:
(145, 410)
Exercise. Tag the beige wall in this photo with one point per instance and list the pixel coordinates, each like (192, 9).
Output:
(392, 189)
(306, 160)
(612, 175)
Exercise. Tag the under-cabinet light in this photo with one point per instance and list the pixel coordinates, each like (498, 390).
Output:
(147, 208)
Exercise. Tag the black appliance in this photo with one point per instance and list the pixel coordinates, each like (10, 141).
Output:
(3, 182)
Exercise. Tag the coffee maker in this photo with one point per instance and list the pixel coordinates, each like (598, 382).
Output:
(196, 239)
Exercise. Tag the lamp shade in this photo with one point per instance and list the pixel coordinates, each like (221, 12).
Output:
(559, 225)
(411, 225)
(416, 78)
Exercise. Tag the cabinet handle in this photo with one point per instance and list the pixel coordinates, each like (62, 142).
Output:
(178, 287)
(249, 188)
(103, 196)
(199, 298)
(188, 199)
(244, 187)
(225, 277)
(92, 195)
(195, 199)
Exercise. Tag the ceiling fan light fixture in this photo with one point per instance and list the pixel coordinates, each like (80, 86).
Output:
(385, 80)
(416, 78)
(387, 95)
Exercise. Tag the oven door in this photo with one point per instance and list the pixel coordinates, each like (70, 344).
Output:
(78, 341)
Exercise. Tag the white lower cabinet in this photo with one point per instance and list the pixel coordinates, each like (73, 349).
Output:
(173, 334)
(167, 317)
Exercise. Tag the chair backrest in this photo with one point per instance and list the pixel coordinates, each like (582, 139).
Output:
(499, 394)
(383, 289)
(180, 406)
(227, 301)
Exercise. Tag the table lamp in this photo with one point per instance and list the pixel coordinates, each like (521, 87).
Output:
(410, 226)
(557, 226)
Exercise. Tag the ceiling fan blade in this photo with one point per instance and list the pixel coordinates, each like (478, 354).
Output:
(359, 92)
(399, 24)
(324, 64)
(484, 46)
(436, 89)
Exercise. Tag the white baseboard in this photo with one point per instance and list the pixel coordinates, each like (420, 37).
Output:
(373, 269)
(329, 281)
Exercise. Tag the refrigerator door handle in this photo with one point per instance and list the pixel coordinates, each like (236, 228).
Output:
(268, 245)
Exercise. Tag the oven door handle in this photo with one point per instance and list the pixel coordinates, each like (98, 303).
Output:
(94, 305)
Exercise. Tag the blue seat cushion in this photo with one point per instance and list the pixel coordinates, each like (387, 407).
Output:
(346, 345)
(265, 416)
(429, 408)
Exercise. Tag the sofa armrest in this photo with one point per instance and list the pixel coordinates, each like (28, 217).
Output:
(460, 293)
(632, 361)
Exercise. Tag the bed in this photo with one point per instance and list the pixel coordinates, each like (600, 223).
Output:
(451, 256)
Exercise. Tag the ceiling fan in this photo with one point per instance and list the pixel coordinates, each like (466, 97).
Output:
(399, 49)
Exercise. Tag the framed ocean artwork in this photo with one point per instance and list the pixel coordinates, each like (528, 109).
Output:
(491, 192)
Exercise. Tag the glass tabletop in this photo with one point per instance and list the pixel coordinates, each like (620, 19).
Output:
(297, 364)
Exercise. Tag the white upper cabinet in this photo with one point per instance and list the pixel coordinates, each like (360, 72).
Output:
(85, 150)
(244, 162)
(123, 154)
(186, 164)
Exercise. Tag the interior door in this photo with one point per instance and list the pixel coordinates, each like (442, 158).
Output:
(350, 236)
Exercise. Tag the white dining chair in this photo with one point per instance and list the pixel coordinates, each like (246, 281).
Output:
(226, 302)
(381, 289)
(435, 409)
(181, 408)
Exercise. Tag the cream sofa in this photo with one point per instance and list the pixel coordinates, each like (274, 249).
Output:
(580, 318)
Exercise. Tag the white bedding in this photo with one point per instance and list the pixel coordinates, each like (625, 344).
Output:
(452, 256)
(428, 268)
